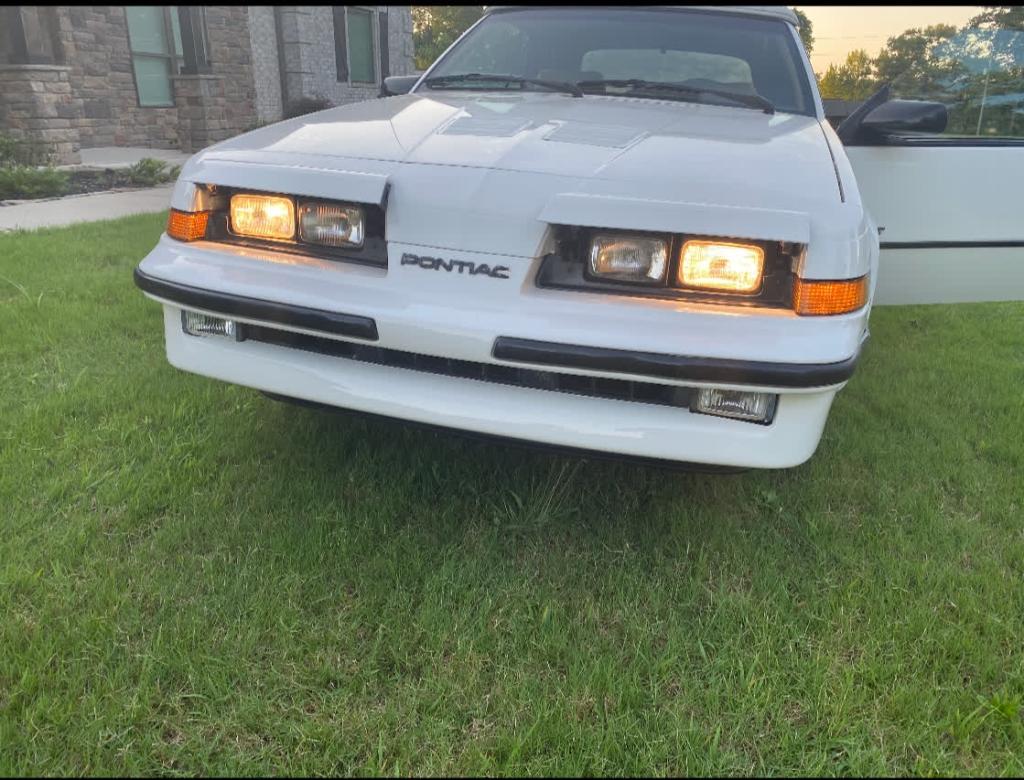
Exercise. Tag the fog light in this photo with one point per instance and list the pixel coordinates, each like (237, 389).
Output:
(196, 324)
(753, 407)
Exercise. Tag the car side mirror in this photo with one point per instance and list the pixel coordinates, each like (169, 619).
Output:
(906, 116)
(879, 117)
(397, 85)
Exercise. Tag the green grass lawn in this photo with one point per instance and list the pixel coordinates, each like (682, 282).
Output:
(195, 579)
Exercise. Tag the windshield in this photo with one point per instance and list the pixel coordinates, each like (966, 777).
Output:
(718, 51)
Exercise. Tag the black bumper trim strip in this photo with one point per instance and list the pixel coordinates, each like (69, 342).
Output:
(332, 322)
(654, 364)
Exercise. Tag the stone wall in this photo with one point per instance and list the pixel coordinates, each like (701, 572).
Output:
(231, 57)
(38, 108)
(95, 41)
(202, 111)
(90, 98)
(96, 47)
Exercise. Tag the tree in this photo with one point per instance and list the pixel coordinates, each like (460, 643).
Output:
(920, 61)
(853, 80)
(435, 28)
(976, 71)
(991, 47)
(1006, 17)
(806, 30)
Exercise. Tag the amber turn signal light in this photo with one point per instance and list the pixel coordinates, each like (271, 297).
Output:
(816, 297)
(187, 225)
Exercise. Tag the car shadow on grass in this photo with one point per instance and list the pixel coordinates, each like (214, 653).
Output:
(442, 487)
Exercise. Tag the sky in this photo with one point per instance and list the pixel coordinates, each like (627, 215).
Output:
(839, 30)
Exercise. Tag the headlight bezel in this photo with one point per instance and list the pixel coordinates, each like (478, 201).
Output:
(567, 268)
(372, 251)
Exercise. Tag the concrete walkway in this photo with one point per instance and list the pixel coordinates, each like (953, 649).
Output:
(57, 212)
(124, 157)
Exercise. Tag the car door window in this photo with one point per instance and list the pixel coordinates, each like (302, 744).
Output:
(978, 73)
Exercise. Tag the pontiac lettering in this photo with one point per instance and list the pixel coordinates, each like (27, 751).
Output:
(461, 266)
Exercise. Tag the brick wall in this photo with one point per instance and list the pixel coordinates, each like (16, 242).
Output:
(266, 72)
(325, 67)
(309, 53)
(400, 40)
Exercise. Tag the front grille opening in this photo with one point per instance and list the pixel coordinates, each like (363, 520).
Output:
(595, 387)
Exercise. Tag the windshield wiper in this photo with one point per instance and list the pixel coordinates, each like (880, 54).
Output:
(754, 101)
(455, 78)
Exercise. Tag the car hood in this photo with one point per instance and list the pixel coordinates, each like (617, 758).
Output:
(476, 169)
(705, 151)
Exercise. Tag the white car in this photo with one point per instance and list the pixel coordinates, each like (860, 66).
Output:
(623, 231)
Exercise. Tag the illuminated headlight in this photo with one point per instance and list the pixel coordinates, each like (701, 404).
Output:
(263, 216)
(754, 407)
(711, 265)
(629, 258)
(322, 223)
(196, 324)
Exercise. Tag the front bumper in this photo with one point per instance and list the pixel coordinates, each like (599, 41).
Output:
(350, 303)
(549, 417)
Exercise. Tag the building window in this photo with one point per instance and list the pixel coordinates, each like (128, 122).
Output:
(189, 26)
(355, 45)
(154, 37)
(28, 35)
(360, 46)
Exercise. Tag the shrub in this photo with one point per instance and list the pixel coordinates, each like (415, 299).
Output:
(149, 172)
(25, 181)
(15, 152)
(306, 105)
(8, 150)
